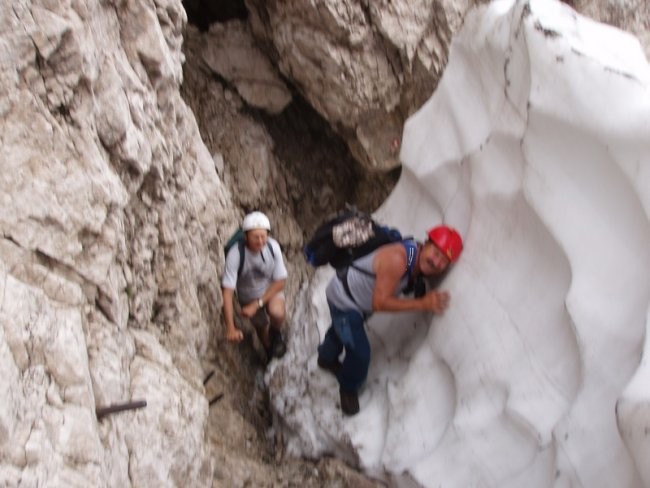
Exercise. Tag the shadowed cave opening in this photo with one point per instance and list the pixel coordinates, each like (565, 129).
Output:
(202, 13)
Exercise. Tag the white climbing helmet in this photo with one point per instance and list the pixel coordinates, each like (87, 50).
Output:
(256, 220)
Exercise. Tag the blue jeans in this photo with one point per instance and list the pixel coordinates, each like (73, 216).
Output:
(347, 332)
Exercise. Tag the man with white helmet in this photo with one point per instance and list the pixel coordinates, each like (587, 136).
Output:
(255, 270)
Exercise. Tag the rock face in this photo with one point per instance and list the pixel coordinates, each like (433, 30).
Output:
(536, 375)
(631, 15)
(123, 173)
(364, 66)
(107, 219)
(230, 51)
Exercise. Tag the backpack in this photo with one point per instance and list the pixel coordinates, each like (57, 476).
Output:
(346, 237)
(351, 235)
(238, 239)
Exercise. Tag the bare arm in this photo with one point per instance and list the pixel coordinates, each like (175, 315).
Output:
(389, 266)
(232, 333)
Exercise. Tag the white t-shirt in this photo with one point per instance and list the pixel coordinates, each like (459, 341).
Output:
(260, 269)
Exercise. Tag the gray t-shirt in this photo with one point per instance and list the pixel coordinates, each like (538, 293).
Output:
(362, 286)
(260, 269)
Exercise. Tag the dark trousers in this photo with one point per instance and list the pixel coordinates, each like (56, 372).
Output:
(347, 333)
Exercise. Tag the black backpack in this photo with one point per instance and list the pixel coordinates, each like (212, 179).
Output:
(238, 239)
(347, 237)
(351, 235)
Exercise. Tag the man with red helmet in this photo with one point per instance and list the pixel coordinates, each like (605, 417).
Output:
(374, 283)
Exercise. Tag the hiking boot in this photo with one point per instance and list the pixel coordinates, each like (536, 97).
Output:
(278, 347)
(349, 402)
(331, 366)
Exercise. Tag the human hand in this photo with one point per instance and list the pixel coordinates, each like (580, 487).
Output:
(436, 301)
(234, 335)
(249, 309)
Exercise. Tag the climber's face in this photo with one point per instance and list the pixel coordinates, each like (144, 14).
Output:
(432, 260)
(256, 239)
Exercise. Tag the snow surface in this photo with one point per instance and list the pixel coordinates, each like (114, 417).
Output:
(536, 146)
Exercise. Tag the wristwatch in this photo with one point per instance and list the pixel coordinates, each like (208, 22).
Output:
(260, 302)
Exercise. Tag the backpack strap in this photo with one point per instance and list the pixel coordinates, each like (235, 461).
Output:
(416, 284)
(242, 254)
(411, 248)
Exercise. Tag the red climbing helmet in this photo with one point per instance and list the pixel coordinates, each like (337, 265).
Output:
(448, 241)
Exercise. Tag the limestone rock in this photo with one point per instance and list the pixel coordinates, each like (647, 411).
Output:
(110, 203)
(631, 15)
(364, 66)
(230, 51)
(117, 198)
